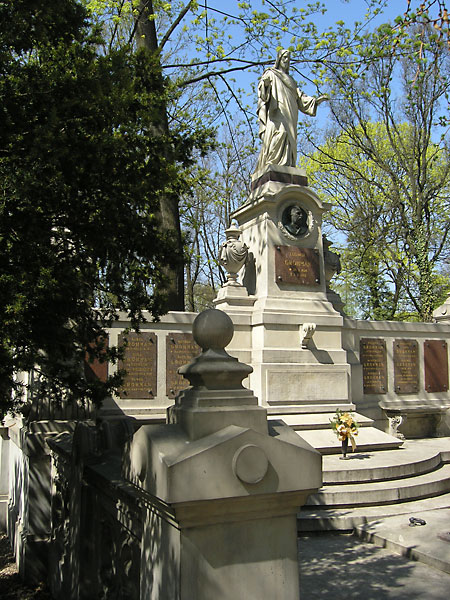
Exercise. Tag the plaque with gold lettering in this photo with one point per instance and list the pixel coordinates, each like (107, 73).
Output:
(180, 350)
(436, 365)
(374, 365)
(406, 366)
(298, 266)
(140, 365)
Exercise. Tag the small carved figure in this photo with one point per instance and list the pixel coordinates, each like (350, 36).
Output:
(279, 101)
(307, 331)
(331, 259)
(295, 220)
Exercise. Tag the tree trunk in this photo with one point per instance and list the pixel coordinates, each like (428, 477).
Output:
(169, 210)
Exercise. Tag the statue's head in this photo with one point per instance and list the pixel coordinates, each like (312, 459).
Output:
(298, 216)
(283, 60)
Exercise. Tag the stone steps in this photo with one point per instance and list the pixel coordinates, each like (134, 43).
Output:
(383, 492)
(315, 428)
(307, 422)
(368, 439)
(386, 472)
(283, 408)
(347, 519)
(371, 486)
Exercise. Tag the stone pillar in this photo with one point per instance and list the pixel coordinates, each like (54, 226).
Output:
(225, 486)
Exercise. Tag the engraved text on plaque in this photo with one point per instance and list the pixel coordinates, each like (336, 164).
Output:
(180, 350)
(406, 366)
(140, 365)
(374, 365)
(297, 265)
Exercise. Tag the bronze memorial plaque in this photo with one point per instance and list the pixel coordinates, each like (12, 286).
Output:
(140, 364)
(95, 369)
(436, 365)
(297, 265)
(406, 366)
(180, 350)
(374, 365)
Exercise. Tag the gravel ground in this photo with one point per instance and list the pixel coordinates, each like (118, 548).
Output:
(11, 586)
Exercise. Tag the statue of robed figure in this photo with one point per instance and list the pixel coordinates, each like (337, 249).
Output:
(279, 101)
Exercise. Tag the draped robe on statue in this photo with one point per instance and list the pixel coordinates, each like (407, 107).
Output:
(279, 100)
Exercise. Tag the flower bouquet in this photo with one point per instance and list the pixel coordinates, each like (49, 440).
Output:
(346, 428)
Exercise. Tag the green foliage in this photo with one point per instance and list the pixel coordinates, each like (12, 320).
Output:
(396, 235)
(395, 74)
(83, 165)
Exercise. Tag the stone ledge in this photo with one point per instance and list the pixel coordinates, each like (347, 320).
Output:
(279, 177)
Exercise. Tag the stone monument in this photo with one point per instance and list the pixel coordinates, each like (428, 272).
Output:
(292, 324)
(289, 323)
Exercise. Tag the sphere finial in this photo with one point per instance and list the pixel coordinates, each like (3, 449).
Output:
(213, 328)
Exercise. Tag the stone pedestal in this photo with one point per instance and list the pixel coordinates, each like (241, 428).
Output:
(226, 488)
(286, 277)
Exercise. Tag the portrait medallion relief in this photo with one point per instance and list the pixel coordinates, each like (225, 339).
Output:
(295, 221)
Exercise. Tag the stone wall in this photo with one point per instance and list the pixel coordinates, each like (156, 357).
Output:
(333, 360)
(401, 366)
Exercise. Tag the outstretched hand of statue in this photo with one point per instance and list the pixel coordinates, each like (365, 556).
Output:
(322, 98)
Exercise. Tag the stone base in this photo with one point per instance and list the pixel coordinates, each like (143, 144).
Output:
(279, 174)
(414, 422)
(233, 295)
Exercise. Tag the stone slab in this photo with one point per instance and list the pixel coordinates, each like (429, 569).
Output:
(314, 421)
(422, 543)
(346, 519)
(369, 438)
(384, 492)
(343, 567)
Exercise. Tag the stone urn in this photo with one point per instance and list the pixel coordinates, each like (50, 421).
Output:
(233, 254)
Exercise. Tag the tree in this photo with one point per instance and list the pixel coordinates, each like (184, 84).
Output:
(221, 187)
(203, 46)
(193, 42)
(83, 165)
(392, 158)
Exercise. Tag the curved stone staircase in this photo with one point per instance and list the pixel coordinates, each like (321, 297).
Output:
(371, 485)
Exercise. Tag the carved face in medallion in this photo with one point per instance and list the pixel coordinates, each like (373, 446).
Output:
(295, 220)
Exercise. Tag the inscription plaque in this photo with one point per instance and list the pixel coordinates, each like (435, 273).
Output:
(436, 365)
(180, 350)
(374, 365)
(297, 265)
(406, 366)
(95, 369)
(140, 364)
